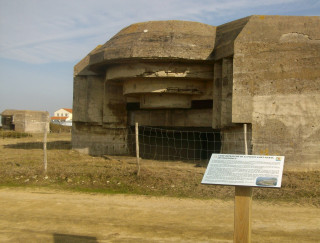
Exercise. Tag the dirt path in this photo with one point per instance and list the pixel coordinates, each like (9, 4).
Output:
(39, 215)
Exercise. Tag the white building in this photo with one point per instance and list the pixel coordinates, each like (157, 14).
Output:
(63, 117)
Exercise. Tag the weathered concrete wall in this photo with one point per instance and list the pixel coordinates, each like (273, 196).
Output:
(96, 121)
(172, 118)
(123, 71)
(233, 140)
(174, 69)
(36, 122)
(26, 121)
(171, 40)
(88, 93)
(225, 37)
(216, 95)
(163, 85)
(97, 140)
(114, 106)
(276, 81)
(259, 70)
(222, 93)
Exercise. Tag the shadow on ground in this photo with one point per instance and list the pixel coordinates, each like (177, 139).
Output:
(62, 145)
(63, 238)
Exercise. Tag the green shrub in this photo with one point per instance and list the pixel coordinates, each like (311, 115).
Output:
(14, 134)
(56, 128)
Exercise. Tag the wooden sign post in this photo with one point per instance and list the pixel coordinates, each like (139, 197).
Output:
(242, 214)
(137, 148)
(242, 207)
(244, 172)
(45, 147)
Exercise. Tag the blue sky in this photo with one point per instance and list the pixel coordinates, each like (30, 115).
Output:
(41, 40)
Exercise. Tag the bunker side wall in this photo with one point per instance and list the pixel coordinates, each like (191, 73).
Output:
(95, 130)
(276, 87)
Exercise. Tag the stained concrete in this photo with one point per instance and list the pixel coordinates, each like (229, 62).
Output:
(157, 65)
(25, 121)
(260, 70)
(151, 40)
(277, 86)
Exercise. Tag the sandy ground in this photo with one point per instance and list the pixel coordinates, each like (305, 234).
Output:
(41, 215)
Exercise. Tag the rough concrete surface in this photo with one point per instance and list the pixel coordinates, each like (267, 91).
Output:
(260, 70)
(25, 121)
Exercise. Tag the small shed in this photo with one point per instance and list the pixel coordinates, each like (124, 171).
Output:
(25, 120)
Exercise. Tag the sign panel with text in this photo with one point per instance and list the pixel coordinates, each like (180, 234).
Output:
(244, 170)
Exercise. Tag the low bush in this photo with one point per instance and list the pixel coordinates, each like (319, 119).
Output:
(56, 128)
(14, 134)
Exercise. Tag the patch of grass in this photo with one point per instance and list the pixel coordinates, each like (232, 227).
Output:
(14, 134)
(69, 170)
(56, 128)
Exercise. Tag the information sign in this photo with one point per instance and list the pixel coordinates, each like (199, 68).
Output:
(244, 170)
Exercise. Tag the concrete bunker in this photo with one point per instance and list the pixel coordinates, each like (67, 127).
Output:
(25, 121)
(189, 76)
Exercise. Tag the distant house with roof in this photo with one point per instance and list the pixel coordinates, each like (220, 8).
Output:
(25, 121)
(63, 117)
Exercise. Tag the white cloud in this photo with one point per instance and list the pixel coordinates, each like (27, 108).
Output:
(44, 31)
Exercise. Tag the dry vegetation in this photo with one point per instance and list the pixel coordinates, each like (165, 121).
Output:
(21, 164)
(56, 128)
(13, 134)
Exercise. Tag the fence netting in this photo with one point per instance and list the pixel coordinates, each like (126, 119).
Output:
(176, 144)
(157, 143)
